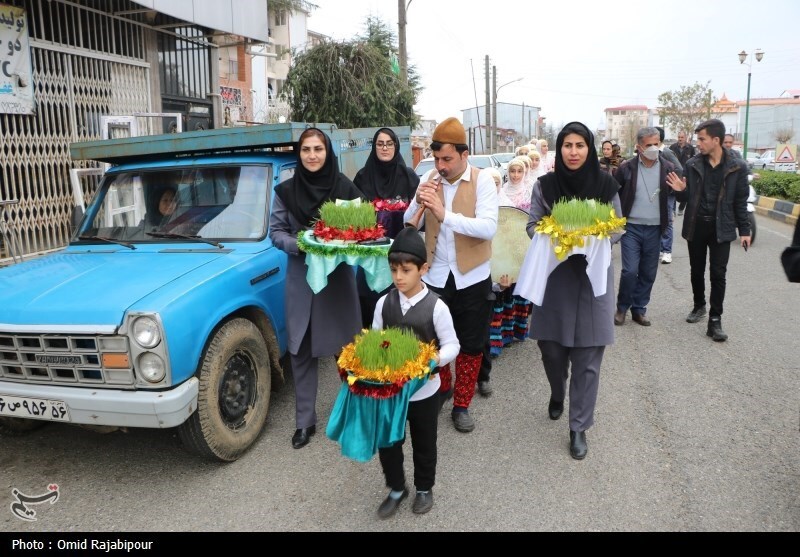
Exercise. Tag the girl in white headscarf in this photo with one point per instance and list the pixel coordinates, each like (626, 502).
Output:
(518, 188)
(537, 168)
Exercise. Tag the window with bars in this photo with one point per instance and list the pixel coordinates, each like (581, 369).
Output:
(184, 64)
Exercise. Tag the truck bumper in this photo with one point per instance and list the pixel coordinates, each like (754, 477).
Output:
(161, 409)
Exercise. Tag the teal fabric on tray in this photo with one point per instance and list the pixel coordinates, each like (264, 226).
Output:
(376, 268)
(362, 424)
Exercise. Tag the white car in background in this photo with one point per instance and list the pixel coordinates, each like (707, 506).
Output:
(766, 161)
(423, 166)
(488, 161)
(479, 161)
(751, 158)
(504, 159)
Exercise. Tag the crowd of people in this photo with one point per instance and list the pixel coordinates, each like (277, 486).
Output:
(440, 262)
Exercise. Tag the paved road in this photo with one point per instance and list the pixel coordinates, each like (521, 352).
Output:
(690, 435)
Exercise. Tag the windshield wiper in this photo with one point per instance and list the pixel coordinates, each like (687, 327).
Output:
(109, 240)
(185, 237)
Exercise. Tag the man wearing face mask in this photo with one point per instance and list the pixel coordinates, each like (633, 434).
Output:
(644, 199)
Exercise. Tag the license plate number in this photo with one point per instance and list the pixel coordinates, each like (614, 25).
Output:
(55, 359)
(35, 408)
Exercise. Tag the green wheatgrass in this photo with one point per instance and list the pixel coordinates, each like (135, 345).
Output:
(375, 355)
(360, 217)
(580, 213)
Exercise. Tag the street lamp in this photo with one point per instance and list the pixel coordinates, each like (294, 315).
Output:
(742, 57)
(494, 113)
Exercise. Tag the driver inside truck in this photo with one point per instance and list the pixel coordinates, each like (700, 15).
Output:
(163, 206)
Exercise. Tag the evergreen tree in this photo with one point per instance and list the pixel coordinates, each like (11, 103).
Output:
(352, 83)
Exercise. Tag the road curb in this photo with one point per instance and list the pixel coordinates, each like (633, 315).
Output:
(777, 209)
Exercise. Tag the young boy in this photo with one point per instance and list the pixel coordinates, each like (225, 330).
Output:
(411, 305)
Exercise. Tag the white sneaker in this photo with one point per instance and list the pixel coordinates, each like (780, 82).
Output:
(666, 258)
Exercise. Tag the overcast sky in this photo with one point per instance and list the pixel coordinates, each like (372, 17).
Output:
(578, 58)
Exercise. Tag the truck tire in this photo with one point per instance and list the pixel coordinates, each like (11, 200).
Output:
(233, 398)
(14, 427)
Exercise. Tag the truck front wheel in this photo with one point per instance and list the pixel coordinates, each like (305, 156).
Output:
(233, 397)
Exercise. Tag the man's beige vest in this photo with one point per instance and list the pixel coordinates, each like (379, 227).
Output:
(470, 252)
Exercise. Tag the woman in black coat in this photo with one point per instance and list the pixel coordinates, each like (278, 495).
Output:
(385, 176)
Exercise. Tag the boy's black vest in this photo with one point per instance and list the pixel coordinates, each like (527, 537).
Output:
(419, 318)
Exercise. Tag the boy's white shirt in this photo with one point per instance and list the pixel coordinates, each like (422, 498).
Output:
(442, 323)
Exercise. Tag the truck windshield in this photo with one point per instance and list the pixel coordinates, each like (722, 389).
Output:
(220, 203)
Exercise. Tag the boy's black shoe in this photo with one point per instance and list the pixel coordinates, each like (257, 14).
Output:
(423, 502)
(389, 505)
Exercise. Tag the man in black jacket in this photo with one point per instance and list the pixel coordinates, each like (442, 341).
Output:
(715, 189)
(684, 151)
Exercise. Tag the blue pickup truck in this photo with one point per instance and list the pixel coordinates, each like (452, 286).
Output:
(167, 307)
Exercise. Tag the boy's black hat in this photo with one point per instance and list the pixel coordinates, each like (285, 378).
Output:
(409, 241)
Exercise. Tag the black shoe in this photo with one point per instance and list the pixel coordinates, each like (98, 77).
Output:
(555, 409)
(641, 319)
(463, 422)
(619, 317)
(577, 444)
(389, 505)
(696, 315)
(423, 502)
(715, 330)
(485, 388)
(301, 437)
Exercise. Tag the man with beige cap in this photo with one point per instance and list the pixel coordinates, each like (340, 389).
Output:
(457, 205)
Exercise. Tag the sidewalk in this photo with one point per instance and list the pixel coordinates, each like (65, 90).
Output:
(778, 209)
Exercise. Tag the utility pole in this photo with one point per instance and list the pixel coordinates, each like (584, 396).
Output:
(494, 110)
(488, 108)
(402, 7)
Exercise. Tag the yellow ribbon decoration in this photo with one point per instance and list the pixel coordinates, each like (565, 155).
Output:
(564, 241)
(412, 369)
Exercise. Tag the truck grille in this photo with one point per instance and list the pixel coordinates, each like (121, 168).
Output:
(62, 359)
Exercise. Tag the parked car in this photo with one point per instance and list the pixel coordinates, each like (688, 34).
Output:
(423, 166)
(480, 161)
(751, 158)
(766, 161)
(504, 159)
(488, 161)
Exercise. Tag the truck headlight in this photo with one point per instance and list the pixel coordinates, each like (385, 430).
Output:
(146, 332)
(151, 367)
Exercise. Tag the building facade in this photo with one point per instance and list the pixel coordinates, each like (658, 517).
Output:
(95, 59)
(622, 123)
(516, 124)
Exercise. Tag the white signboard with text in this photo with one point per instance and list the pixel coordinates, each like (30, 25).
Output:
(16, 84)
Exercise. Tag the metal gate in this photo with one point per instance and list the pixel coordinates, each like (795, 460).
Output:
(78, 76)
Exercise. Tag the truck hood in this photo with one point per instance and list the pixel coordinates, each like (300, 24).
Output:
(79, 288)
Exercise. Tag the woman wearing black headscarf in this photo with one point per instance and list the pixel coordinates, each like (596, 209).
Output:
(572, 325)
(384, 176)
(317, 324)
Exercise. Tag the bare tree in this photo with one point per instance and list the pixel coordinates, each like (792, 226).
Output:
(783, 135)
(684, 109)
(627, 135)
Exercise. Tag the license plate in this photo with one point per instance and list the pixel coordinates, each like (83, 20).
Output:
(56, 359)
(36, 408)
